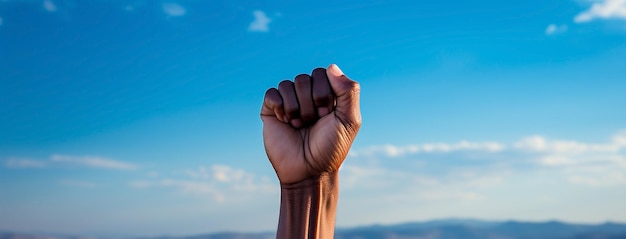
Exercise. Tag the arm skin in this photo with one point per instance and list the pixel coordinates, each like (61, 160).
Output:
(308, 208)
(308, 127)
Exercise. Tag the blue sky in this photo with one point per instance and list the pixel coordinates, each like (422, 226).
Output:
(141, 117)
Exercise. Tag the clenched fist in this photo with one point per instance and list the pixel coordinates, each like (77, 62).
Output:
(309, 124)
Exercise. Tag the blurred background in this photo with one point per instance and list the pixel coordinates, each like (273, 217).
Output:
(141, 117)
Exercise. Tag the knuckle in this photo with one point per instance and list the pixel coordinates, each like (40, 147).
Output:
(273, 103)
(353, 124)
(269, 92)
(272, 97)
(292, 112)
(322, 99)
(284, 84)
(302, 82)
(319, 70)
(302, 79)
(354, 86)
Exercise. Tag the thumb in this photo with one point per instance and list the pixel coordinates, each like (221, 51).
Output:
(347, 93)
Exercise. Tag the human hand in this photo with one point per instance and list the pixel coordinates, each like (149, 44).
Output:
(309, 124)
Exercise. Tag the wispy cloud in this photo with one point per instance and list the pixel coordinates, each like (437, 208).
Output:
(218, 182)
(543, 174)
(583, 163)
(131, 6)
(539, 143)
(201, 173)
(24, 163)
(49, 6)
(608, 180)
(355, 176)
(140, 184)
(57, 159)
(396, 151)
(260, 23)
(554, 29)
(153, 174)
(174, 9)
(603, 9)
(77, 183)
(201, 188)
(221, 174)
(578, 162)
(226, 174)
(93, 162)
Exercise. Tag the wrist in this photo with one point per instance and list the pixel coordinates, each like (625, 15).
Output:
(308, 208)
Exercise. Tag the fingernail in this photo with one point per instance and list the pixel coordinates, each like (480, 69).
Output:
(336, 70)
(322, 111)
(296, 123)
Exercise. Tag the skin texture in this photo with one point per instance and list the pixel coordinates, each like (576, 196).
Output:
(309, 125)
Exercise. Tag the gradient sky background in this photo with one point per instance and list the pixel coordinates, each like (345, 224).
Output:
(140, 118)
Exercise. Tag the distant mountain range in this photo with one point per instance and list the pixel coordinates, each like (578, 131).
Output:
(440, 229)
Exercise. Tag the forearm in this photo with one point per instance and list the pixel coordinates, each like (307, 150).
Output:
(308, 208)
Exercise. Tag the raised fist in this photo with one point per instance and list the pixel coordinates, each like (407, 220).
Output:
(309, 124)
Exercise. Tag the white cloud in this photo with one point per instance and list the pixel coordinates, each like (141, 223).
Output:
(223, 173)
(153, 174)
(201, 173)
(355, 176)
(260, 23)
(49, 6)
(24, 163)
(620, 139)
(583, 164)
(174, 9)
(218, 182)
(219, 173)
(570, 160)
(553, 29)
(536, 173)
(368, 176)
(134, 5)
(414, 185)
(449, 195)
(540, 144)
(396, 151)
(94, 162)
(610, 179)
(195, 187)
(604, 9)
(140, 184)
(78, 183)
(485, 181)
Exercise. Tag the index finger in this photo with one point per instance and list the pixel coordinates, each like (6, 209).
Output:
(273, 105)
(322, 92)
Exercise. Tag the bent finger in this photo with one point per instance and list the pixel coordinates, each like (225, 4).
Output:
(290, 103)
(308, 112)
(322, 92)
(273, 105)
